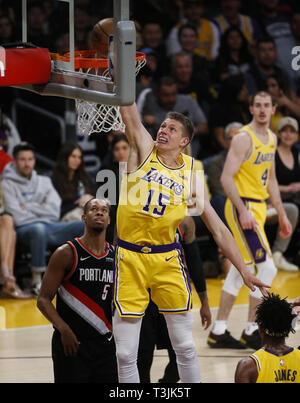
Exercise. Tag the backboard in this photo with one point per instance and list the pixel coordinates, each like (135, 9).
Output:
(67, 82)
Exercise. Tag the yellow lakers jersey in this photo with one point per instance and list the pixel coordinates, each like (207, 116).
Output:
(252, 179)
(153, 200)
(245, 26)
(273, 368)
(205, 40)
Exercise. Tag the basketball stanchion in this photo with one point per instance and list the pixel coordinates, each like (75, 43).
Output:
(24, 63)
(95, 117)
(48, 74)
(99, 80)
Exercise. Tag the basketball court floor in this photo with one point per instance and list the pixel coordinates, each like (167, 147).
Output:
(25, 337)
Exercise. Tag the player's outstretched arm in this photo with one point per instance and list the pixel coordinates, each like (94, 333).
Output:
(138, 137)
(223, 236)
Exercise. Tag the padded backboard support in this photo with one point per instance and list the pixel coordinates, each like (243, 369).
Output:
(24, 66)
(76, 85)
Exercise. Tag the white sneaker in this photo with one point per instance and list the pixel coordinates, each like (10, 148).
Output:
(282, 264)
(36, 289)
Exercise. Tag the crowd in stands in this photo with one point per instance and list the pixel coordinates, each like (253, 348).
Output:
(204, 59)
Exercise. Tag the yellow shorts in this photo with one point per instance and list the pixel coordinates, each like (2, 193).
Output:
(162, 274)
(253, 245)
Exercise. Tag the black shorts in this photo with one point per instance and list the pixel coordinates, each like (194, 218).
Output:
(95, 361)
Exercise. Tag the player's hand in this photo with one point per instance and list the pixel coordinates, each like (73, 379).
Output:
(70, 342)
(205, 315)
(286, 228)
(296, 302)
(252, 282)
(247, 220)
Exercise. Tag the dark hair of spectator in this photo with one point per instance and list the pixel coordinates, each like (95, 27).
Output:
(187, 25)
(275, 316)
(230, 88)
(166, 81)
(61, 172)
(22, 147)
(117, 138)
(265, 39)
(225, 50)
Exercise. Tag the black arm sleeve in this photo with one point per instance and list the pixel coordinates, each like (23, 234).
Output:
(195, 265)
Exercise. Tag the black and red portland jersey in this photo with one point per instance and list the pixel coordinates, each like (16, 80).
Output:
(84, 299)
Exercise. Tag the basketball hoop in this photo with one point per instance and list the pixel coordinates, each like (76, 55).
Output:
(94, 117)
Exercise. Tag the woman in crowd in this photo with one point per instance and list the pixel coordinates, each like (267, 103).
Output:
(286, 101)
(234, 56)
(287, 160)
(119, 148)
(71, 181)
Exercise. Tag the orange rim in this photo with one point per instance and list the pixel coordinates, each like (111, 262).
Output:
(85, 59)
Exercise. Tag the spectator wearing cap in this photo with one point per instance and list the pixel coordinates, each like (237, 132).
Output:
(287, 162)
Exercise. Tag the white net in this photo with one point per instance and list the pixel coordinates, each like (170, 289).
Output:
(100, 118)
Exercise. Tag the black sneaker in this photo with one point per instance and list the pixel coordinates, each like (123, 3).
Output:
(224, 340)
(253, 341)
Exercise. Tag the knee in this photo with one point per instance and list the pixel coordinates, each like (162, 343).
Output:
(7, 222)
(38, 230)
(266, 272)
(233, 282)
(125, 355)
(185, 351)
